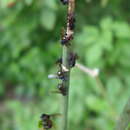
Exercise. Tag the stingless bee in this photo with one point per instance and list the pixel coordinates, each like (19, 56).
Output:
(72, 59)
(46, 122)
(62, 89)
(65, 38)
(71, 21)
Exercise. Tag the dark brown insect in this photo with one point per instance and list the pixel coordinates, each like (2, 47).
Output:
(64, 1)
(71, 21)
(46, 121)
(72, 59)
(62, 89)
(59, 61)
(65, 40)
(61, 75)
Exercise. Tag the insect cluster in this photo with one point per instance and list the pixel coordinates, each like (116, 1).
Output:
(67, 35)
(62, 73)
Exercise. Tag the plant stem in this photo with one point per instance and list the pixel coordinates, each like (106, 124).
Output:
(65, 100)
(65, 63)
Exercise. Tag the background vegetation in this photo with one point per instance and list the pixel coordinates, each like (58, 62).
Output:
(29, 45)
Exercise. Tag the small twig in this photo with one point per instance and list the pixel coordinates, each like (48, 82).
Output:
(94, 73)
(91, 72)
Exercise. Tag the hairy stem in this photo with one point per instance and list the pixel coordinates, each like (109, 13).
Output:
(65, 63)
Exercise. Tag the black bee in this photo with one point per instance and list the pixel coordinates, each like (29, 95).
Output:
(65, 2)
(72, 59)
(59, 61)
(64, 39)
(71, 21)
(46, 122)
(61, 75)
(62, 89)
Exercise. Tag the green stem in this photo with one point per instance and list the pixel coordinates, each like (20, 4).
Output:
(65, 63)
(65, 100)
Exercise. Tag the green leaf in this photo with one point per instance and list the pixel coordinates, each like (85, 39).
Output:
(48, 19)
(121, 29)
(95, 103)
(106, 24)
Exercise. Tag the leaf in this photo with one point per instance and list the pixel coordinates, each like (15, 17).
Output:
(95, 103)
(28, 2)
(94, 55)
(48, 19)
(51, 4)
(121, 29)
(114, 88)
(106, 24)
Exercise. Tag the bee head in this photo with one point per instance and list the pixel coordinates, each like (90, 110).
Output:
(45, 116)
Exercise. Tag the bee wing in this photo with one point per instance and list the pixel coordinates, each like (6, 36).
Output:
(55, 115)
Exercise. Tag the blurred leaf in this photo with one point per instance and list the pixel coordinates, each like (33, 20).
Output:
(121, 29)
(96, 104)
(48, 19)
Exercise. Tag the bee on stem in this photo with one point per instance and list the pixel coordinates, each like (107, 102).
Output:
(71, 21)
(65, 38)
(62, 89)
(59, 62)
(61, 75)
(72, 59)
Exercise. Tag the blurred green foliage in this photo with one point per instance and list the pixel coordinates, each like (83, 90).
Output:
(29, 45)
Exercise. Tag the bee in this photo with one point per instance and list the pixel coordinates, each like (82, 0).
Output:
(46, 122)
(71, 21)
(65, 38)
(65, 2)
(61, 75)
(72, 59)
(62, 89)
(59, 61)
